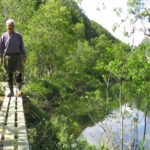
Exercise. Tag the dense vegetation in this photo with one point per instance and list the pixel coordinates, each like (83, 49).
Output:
(71, 60)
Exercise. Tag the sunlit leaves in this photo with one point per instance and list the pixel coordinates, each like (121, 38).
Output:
(135, 6)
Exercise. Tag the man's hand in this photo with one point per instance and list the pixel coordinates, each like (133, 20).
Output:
(1, 61)
(23, 59)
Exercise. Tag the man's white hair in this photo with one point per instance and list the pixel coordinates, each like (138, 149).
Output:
(10, 21)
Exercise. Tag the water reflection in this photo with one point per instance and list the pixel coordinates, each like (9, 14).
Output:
(136, 128)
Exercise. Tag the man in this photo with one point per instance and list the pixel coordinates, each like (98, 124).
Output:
(12, 55)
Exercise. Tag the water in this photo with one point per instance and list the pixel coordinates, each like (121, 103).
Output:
(108, 131)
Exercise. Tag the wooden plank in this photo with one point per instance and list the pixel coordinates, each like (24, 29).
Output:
(20, 117)
(20, 104)
(10, 127)
(8, 145)
(2, 122)
(3, 113)
(11, 113)
(22, 132)
(22, 138)
(2, 117)
(23, 142)
(10, 130)
(5, 104)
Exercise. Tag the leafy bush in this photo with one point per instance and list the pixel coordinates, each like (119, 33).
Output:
(41, 89)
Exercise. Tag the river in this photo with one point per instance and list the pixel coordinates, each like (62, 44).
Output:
(136, 127)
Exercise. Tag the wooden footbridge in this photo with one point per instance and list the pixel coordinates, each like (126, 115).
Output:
(13, 133)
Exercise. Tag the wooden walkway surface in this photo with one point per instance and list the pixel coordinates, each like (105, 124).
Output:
(13, 133)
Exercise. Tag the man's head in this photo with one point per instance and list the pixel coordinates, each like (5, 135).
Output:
(10, 24)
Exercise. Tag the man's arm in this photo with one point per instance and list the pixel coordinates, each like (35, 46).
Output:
(2, 47)
(22, 49)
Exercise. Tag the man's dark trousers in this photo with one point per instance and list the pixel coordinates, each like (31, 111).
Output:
(13, 67)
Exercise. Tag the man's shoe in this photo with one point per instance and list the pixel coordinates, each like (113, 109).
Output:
(18, 93)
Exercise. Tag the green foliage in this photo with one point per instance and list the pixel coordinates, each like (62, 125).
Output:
(2, 73)
(135, 6)
(42, 89)
(140, 12)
